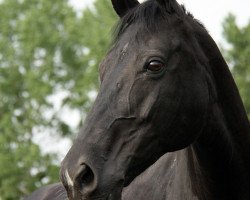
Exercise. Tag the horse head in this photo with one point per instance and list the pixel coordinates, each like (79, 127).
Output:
(153, 99)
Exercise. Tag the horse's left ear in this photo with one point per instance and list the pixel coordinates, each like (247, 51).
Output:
(122, 6)
(170, 6)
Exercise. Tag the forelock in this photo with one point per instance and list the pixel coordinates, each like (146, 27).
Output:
(149, 15)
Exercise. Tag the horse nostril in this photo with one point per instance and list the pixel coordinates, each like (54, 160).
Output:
(86, 177)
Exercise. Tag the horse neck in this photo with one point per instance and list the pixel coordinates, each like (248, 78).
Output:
(222, 167)
(223, 149)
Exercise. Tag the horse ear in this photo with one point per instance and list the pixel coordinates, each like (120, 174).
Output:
(122, 6)
(170, 6)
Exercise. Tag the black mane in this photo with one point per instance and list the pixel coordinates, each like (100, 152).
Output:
(149, 14)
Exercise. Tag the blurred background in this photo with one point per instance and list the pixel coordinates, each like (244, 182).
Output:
(49, 56)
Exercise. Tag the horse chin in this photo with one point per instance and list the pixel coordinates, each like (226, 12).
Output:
(117, 195)
(129, 180)
(134, 171)
(133, 175)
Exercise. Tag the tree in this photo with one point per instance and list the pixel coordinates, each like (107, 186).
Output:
(238, 56)
(45, 49)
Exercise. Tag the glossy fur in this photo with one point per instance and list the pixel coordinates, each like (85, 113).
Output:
(179, 133)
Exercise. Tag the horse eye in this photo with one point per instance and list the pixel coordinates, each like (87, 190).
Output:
(155, 66)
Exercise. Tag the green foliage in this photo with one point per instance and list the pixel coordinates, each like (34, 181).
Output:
(238, 56)
(45, 48)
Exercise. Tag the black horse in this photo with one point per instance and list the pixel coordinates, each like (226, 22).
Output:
(165, 89)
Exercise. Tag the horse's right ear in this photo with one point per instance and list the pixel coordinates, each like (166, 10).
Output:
(122, 6)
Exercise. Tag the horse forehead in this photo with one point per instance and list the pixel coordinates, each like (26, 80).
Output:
(125, 48)
(124, 51)
(162, 40)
